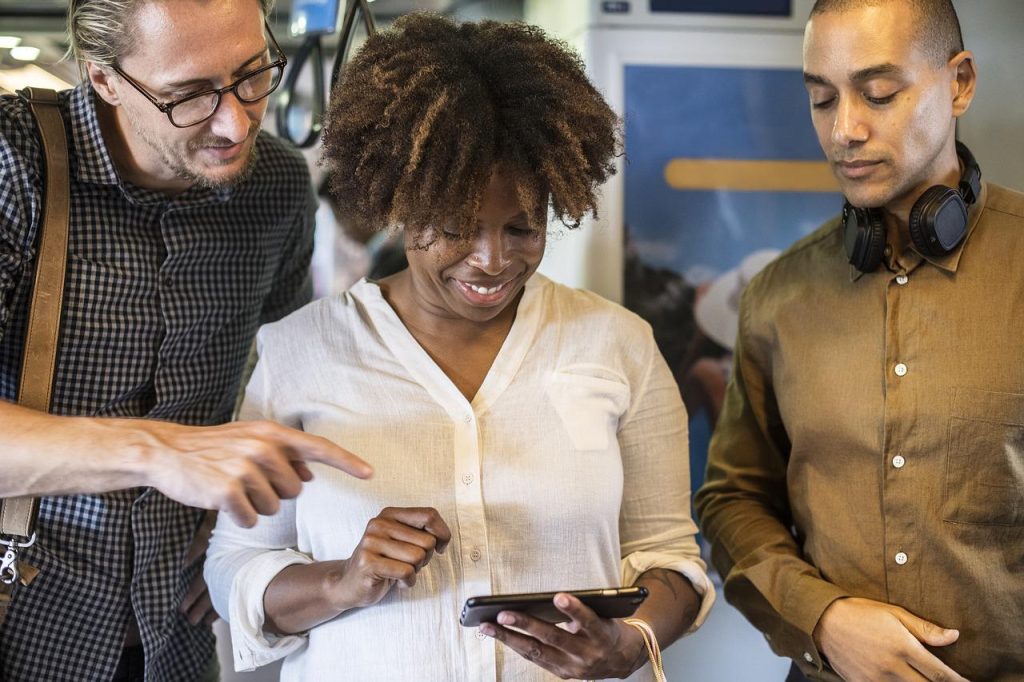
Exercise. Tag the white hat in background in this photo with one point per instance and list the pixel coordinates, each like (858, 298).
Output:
(717, 312)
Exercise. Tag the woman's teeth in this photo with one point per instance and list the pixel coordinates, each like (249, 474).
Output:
(484, 290)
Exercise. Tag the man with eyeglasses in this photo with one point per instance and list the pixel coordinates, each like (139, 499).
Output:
(189, 227)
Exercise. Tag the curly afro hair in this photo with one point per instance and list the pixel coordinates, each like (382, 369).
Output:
(429, 108)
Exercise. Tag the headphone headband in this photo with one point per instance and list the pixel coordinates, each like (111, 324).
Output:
(970, 180)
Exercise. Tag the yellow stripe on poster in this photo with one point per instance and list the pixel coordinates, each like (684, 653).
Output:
(750, 176)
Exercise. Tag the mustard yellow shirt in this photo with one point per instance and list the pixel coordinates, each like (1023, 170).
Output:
(872, 443)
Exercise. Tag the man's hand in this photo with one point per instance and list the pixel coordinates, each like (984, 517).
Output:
(242, 468)
(587, 648)
(396, 544)
(196, 605)
(867, 641)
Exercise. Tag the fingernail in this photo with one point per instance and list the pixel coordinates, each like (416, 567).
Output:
(487, 629)
(506, 618)
(561, 601)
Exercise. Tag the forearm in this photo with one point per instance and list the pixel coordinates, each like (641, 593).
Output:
(672, 606)
(751, 548)
(52, 455)
(764, 574)
(298, 598)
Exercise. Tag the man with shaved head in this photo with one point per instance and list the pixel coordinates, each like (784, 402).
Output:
(865, 487)
(188, 228)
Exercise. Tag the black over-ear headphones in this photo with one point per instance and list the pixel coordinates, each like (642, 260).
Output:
(938, 220)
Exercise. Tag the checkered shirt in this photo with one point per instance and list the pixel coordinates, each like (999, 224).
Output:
(163, 298)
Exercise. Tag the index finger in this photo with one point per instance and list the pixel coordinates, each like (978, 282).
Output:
(932, 668)
(424, 518)
(309, 448)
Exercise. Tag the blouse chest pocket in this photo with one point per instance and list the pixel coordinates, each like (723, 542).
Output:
(589, 399)
(985, 459)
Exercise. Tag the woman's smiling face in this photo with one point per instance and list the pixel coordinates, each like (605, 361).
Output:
(476, 279)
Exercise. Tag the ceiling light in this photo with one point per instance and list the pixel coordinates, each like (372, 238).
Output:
(30, 75)
(7, 42)
(25, 53)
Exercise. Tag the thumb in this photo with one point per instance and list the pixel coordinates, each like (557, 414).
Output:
(926, 631)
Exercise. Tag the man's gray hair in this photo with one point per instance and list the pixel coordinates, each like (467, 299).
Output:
(103, 31)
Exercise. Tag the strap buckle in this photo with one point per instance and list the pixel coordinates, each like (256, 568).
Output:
(9, 572)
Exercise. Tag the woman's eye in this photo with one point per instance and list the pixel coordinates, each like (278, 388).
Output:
(520, 231)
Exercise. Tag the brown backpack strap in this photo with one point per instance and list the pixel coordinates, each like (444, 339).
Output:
(18, 515)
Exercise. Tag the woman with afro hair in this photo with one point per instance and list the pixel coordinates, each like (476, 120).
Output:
(525, 436)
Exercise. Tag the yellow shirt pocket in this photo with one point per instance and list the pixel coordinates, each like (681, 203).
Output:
(985, 459)
(590, 400)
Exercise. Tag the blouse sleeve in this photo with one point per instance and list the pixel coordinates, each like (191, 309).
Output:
(241, 562)
(655, 524)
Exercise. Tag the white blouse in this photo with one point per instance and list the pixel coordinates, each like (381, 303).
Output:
(568, 470)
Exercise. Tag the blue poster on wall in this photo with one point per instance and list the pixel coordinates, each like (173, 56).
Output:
(778, 8)
(723, 172)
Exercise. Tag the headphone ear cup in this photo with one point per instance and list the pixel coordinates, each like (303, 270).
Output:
(938, 220)
(864, 238)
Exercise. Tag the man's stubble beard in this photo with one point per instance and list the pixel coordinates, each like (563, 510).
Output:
(181, 167)
(202, 181)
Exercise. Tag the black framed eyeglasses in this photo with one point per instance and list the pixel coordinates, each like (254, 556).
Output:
(198, 107)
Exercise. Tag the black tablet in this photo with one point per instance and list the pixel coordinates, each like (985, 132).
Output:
(612, 602)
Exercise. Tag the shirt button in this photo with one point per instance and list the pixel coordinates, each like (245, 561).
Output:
(902, 279)
(808, 657)
(475, 554)
(467, 478)
(901, 370)
(898, 461)
(167, 281)
(901, 558)
(481, 636)
(467, 418)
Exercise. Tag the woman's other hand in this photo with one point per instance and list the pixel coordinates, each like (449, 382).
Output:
(395, 546)
(588, 647)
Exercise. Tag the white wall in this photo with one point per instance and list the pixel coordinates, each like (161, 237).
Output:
(992, 128)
